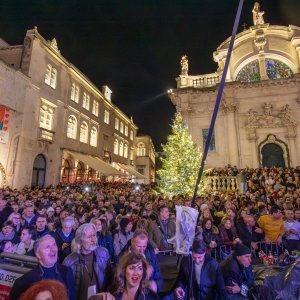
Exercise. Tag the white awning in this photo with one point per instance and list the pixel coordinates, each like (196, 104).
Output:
(132, 171)
(96, 163)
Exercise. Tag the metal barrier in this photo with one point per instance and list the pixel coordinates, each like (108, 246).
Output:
(13, 266)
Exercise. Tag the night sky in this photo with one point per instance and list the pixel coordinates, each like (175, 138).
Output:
(135, 47)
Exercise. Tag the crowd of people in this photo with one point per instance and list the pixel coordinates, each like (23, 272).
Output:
(101, 240)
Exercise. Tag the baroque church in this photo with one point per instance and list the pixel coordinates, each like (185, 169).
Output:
(258, 120)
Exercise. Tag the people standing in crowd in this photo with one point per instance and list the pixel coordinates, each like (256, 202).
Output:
(64, 237)
(272, 225)
(5, 210)
(46, 290)
(45, 250)
(200, 276)
(41, 226)
(291, 231)
(8, 233)
(210, 235)
(122, 236)
(16, 219)
(28, 216)
(161, 230)
(139, 244)
(27, 238)
(90, 264)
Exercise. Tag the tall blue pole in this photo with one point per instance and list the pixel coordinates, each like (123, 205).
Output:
(218, 100)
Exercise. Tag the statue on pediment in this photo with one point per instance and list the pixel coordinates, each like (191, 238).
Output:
(53, 44)
(184, 65)
(258, 18)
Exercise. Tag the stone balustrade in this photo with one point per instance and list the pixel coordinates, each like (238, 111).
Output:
(222, 183)
(198, 81)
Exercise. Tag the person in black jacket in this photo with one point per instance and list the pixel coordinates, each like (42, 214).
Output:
(45, 250)
(64, 237)
(200, 276)
(249, 232)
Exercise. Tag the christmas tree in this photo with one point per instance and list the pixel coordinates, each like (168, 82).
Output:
(180, 161)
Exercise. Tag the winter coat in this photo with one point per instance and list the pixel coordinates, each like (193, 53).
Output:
(61, 239)
(120, 241)
(106, 241)
(211, 279)
(102, 269)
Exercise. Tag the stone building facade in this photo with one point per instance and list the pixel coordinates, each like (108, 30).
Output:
(56, 124)
(258, 120)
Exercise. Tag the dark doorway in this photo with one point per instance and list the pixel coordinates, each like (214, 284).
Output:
(272, 155)
(39, 171)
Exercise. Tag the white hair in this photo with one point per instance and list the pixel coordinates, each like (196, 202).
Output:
(80, 233)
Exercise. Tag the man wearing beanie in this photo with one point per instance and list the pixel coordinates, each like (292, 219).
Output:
(237, 272)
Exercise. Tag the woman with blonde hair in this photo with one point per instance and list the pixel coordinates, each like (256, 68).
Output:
(46, 290)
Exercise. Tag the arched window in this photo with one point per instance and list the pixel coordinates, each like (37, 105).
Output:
(94, 134)
(84, 132)
(249, 73)
(86, 101)
(141, 150)
(277, 69)
(53, 78)
(72, 127)
(116, 146)
(125, 150)
(39, 171)
(121, 149)
(73, 92)
(48, 74)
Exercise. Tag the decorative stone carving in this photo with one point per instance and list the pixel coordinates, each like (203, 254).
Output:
(53, 44)
(228, 107)
(268, 120)
(258, 18)
(184, 65)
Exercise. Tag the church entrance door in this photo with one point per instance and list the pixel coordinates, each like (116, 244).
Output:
(39, 171)
(272, 155)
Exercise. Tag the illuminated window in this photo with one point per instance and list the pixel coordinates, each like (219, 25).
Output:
(106, 116)
(75, 93)
(249, 73)
(84, 133)
(94, 133)
(86, 101)
(46, 116)
(121, 149)
(131, 135)
(141, 150)
(72, 127)
(121, 127)
(125, 150)
(277, 69)
(95, 107)
(116, 123)
(126, 130)
(50, 76)
(212, 145)
(116, 146)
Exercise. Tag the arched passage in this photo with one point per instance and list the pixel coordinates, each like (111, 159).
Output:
(272, 155)
(39, 171)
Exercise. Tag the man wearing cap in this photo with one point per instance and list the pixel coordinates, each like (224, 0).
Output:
(237, 272)
(200, 276)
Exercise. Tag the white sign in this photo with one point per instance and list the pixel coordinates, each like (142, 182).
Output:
(4, 137)
(7, 280)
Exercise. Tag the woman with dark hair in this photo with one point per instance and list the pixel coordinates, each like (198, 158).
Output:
(46, 290)
(26, 241)
(122, 236)
(210, 234)
(6, 247)
(104, 237)
(8, 232)
(131, 278)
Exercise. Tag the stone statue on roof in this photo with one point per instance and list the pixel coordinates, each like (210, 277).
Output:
(184, 65)
(258, 18)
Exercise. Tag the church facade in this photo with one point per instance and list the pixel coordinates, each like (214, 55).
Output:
(258, 120)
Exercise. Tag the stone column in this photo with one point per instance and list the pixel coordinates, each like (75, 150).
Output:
(262, 67)
(233, 151)
(293, 151)
(254, 150)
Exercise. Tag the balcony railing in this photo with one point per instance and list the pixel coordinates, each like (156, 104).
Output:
(46, 135)
(222, 183)
(199, 81)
